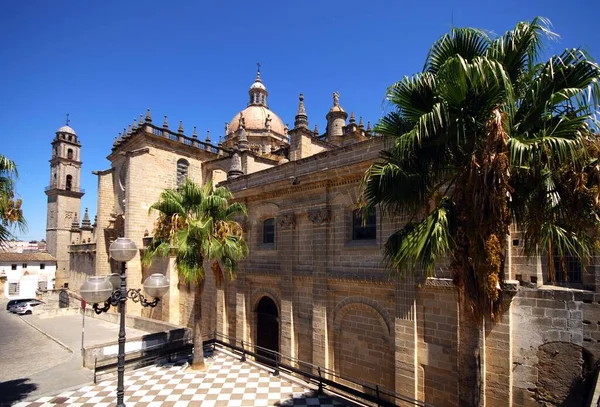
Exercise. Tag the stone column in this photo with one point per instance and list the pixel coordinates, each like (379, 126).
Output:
(319, 219)
(106, 201)
(405, 337)
(498, 361)
(286, 248)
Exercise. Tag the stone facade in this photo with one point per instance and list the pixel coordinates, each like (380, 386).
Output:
(334, 302)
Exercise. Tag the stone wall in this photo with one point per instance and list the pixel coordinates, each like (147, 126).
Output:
(555, 345)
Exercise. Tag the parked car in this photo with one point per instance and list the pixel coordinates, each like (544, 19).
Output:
(12, 303)
(26, 308)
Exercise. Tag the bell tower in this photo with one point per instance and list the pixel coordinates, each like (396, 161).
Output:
(64, 198)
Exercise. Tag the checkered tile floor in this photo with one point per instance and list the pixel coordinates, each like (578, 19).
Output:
(226, 382)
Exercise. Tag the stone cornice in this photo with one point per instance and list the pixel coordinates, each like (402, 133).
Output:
(440, 283)
(275, 192)
(359, 278)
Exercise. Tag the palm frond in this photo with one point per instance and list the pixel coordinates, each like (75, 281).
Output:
(466, 42)
(424, 243)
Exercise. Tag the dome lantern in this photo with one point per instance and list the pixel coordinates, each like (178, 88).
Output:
(258, 92)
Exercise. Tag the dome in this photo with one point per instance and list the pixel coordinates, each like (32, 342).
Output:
(255, 118)
(258, 85)
(66, 129)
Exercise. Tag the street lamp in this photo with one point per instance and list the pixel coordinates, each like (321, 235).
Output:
(112, 290)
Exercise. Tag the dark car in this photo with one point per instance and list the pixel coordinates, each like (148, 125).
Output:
(15, 302)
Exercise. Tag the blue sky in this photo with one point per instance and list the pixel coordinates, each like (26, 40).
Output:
(106, 62)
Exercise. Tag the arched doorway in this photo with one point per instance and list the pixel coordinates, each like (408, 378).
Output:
(267, 327)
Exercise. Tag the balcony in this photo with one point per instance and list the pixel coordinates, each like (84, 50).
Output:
(80, 190)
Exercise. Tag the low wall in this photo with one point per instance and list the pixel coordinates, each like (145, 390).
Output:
(160, 333)
(107, 352)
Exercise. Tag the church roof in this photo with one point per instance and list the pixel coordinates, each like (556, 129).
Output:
(66, 129)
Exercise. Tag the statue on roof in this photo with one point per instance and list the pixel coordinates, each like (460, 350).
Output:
(336, 99)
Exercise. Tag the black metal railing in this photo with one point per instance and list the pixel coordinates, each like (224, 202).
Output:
(322, 378)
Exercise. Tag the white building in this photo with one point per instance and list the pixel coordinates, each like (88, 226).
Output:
(19, 246)
(22, 274)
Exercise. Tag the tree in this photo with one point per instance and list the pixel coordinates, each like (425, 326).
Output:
(11, 214)
(484, 137)
(197, 225)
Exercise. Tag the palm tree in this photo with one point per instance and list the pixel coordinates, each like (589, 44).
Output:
(486, 136)
(197, 224)
(11, 214)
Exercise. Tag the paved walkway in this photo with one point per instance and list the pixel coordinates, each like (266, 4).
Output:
(57, 365)
(226, 382)
(67, 329)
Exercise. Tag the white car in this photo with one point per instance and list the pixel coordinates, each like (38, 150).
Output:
(26, 308)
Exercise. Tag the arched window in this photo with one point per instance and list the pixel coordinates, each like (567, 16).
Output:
(182, 171)
(269, 230)
(69, 182)
(70, 154)
(364, 229)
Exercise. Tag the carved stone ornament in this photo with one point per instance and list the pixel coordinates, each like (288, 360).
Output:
(287, 221)
(318, 216)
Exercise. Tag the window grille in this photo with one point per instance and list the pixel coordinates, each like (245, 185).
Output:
(567, 269)
(182, 171)
(13, 288)
(269, 230)
(364, 230)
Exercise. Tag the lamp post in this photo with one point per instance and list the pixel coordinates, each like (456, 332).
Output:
(112, 290)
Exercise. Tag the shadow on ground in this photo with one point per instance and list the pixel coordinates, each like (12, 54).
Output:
(315, 400)
(13, 391)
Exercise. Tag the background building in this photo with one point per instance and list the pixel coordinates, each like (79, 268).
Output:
(22, 275)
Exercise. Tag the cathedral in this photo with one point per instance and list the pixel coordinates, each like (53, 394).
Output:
(314, 286)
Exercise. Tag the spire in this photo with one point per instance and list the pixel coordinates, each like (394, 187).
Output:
(368, 128)
(352, 118)
(301, 119)
(85, 223)
(141, 121)
(135, 126)
(235, 168)
(242, 138)
(75, 224)
(180, 129)
(361, 125)
(208, 136)
(124, 135)
(220, 141)
(316, 131)
(129, 130)
(165, 124)
(148, 117)
(195, 134)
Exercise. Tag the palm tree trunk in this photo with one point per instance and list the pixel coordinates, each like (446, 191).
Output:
(469, 355)
(198, 357)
